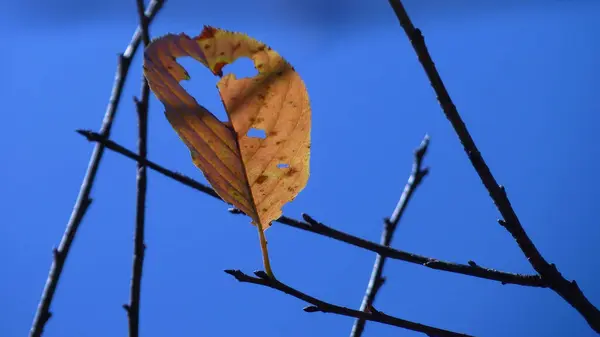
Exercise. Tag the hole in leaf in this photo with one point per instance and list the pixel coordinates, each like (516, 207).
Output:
(257, 133)
(241, 68)
(202, 85)
(283, 166)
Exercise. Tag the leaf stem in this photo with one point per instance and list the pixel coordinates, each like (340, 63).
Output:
(264, 250)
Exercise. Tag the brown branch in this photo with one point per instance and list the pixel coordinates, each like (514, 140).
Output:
(139, 247)
(60, 254)
(568, 290)
(390, 225)
(313, 226)
(321, 306)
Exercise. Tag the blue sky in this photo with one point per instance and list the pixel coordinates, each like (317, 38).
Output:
(522, 76)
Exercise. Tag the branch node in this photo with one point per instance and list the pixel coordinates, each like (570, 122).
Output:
(86, 203)
(47, 317)
(371, 309)
(261, 274)
(388, 223)
(311, 221)
(235, 273)
(121, 57)
(429, 262)
(417, 36)
(473, 264)
(127, 308)
(311, 308)
(86, 133)
(422, 149)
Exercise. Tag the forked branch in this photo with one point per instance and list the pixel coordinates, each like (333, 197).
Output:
(318, 305)
(390, 225)
(568, 290)
(311, 225)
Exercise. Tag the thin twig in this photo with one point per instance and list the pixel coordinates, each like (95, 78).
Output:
(313, 226)
(390, 225)
(139, 246)
(321, 306)
(568, 290)
(60, 254)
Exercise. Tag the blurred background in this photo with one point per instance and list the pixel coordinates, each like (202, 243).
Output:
(522, 74)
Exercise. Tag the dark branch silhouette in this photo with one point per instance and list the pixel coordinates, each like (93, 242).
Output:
(321, 306)
(390, 225)
(139, 247)
(60, 254)
(547, 273)
(313, 226)
(568, 290)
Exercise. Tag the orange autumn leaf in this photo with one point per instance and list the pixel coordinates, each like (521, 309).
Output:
(256, 175)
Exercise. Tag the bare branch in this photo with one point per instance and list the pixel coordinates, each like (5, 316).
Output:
(316, 227)
(322, 306)
(390, 225)
(568, 290)
(139, 246)
(83, 199)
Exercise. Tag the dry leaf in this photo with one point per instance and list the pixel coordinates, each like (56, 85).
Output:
(256, 175)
